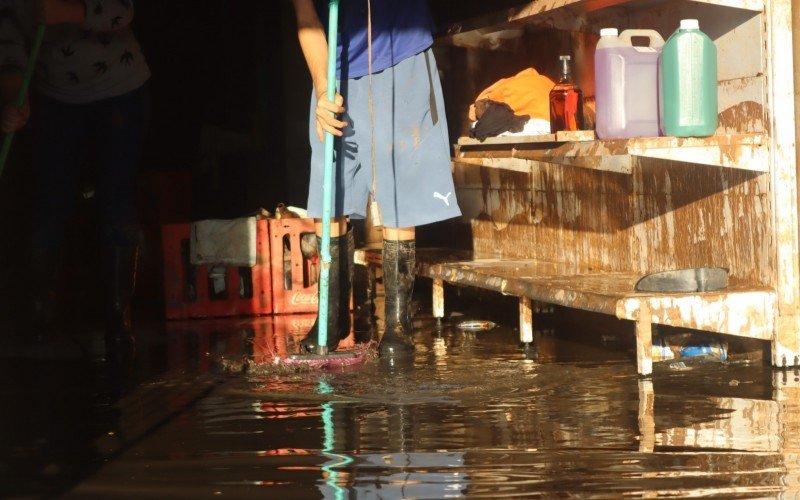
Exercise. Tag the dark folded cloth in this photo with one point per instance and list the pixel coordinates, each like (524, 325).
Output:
(497, 118)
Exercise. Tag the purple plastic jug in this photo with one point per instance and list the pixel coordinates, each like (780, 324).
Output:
(626, 84)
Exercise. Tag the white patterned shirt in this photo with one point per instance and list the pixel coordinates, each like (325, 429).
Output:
(96, 60)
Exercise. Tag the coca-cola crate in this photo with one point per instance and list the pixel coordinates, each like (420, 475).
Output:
(189, 293)
(294, 276)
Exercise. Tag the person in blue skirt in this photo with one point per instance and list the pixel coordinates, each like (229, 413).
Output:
(392, 145)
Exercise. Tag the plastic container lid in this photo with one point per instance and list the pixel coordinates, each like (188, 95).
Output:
(690, 24)
(609, 32)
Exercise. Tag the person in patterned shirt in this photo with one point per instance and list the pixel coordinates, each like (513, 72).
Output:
(90, 97)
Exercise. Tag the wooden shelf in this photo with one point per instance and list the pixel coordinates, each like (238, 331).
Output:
(576, 136)
(742, 310)
(744, 152)
(494, 31)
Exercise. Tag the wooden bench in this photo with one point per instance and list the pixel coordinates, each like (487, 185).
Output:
(741, 310)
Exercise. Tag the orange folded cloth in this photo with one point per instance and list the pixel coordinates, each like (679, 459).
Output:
(527, 93)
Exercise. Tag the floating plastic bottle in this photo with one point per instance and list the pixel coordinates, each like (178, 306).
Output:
(688, 81)
(626, 84)
(684, 346)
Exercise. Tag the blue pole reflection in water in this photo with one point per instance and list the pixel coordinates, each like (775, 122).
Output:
(328, 442)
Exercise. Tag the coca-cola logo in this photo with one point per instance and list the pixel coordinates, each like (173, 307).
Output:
(304, 299)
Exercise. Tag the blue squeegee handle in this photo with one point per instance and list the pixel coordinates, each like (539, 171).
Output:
(327, 185)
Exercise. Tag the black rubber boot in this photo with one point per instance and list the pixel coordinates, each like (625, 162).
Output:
(340, 283)
(119, 270)
(398, 281)
(44, 267)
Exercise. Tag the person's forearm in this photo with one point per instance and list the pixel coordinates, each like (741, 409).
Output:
(313, 43)
(315, 50)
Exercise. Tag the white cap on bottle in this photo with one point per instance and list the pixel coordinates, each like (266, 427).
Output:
(690, 24)
(609, 32)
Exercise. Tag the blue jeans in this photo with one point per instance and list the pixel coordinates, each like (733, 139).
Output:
(64, 136)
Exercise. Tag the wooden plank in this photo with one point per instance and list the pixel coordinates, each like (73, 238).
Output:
(644, 342)
(506, 140)
(575, 136)
(681, 216)
(565, 15)
(662, 217)
(525, 320)
(740, 151)
(438, 299)
(746, 152)
(742, 310)
(786, 344)
(747, 313)
(753, 5)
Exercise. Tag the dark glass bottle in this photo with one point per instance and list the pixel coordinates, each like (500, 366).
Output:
(566, 101)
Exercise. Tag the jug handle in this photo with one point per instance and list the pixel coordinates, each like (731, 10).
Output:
(656, 41)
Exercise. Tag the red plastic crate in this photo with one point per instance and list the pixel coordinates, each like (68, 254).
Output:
(187, 288)
(294, 279)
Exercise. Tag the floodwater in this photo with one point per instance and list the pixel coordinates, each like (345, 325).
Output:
(469, 415)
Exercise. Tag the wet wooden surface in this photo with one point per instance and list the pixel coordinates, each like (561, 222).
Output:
(662, 217)
(741, 151)
(743, 309)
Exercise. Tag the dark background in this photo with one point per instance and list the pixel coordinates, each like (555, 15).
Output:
(228, 135)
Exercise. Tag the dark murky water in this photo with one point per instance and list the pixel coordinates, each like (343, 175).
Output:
(467, 416)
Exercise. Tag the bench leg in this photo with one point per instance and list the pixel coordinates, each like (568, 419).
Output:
(644, 342)
(438, 300)
(647, 419)
(525, 321)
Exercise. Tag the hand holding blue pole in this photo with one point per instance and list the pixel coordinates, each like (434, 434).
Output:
(327, 185)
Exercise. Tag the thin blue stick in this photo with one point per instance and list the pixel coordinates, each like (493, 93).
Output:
(327, 185)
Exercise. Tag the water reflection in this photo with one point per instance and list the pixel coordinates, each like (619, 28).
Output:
(468, 415)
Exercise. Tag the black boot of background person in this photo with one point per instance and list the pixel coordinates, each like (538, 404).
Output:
(119, 272)
(398, 282)
(340, 285)
(43, 306)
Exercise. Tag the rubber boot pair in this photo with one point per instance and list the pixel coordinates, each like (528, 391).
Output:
(340, 284)
(398, 278)
(119, 272)
(398, 281)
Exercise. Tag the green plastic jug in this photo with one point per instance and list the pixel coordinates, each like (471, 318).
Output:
(688, 83)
